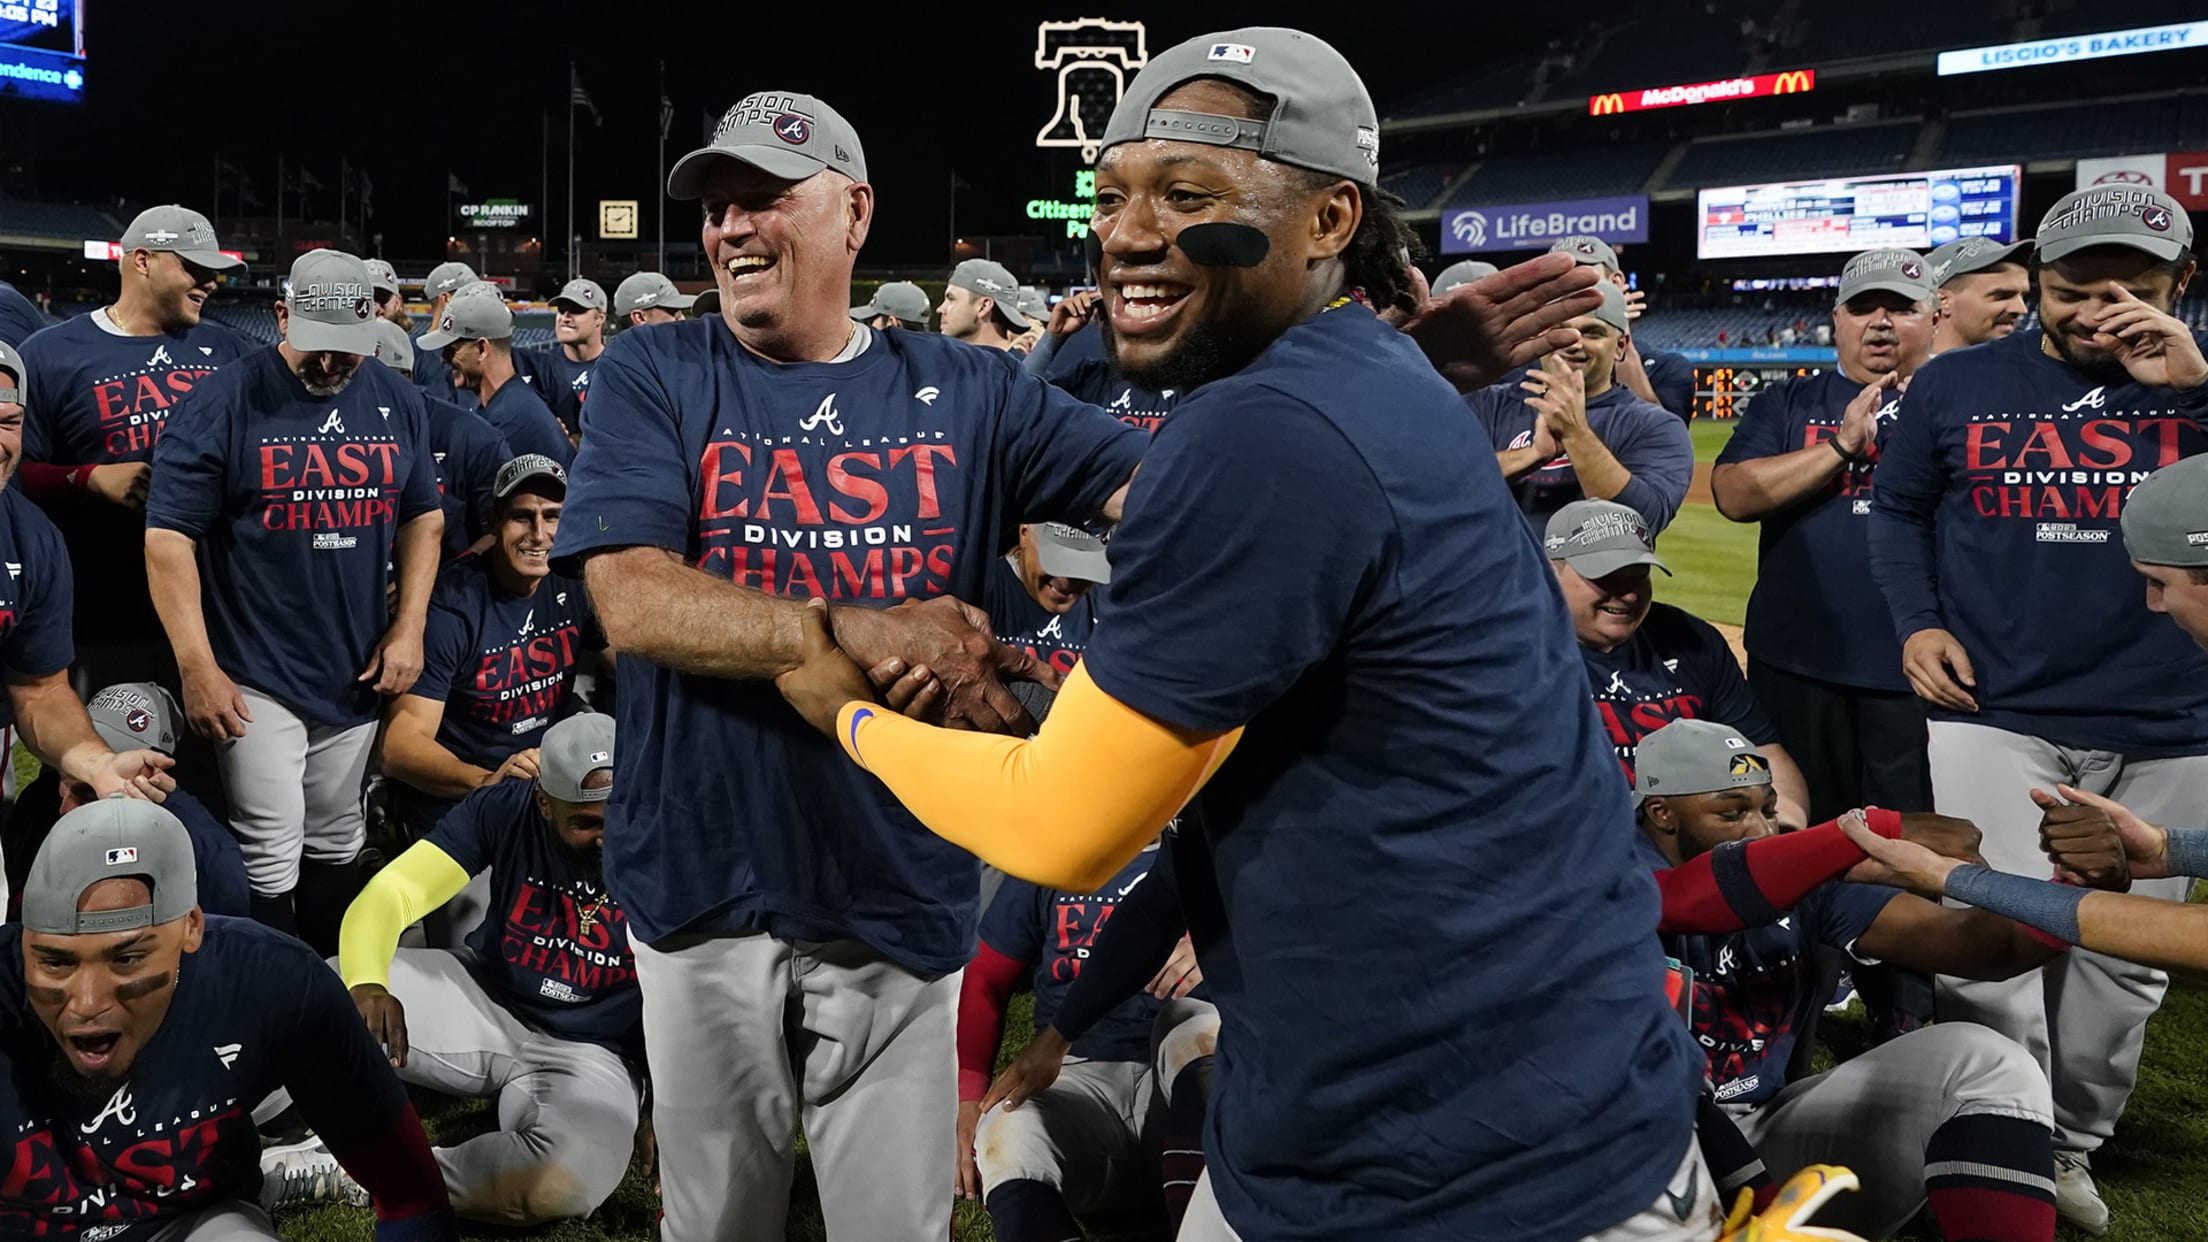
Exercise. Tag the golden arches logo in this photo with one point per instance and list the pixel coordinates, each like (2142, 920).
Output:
(1604, 105)
(1794, 80)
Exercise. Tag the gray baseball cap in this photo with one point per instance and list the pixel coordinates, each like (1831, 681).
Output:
(331, 303)
(180, 231)
(991, 280)
(1324, 120)
(779, 133)
(449, 278)
(471, 318)
(1034, 303)
(901, 300)
(135, 714)
(392, 348)
(1069, 552)
(381, 277)
(1891, 271)
(1696, 757)
(2139, 217)
(570, 752)
(1612, 310)
(12, 363)
(524, 468)
(2166, 516)
(102, 841)
(581, 293)
(1585, 248)
(708, 302)
(1462, 272)
(1973, 254)
(649, 291)
(1600, 537)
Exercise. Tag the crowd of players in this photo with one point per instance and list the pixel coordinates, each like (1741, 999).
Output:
(1397, 970)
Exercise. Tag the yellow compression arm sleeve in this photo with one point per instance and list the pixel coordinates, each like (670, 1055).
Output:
(1064, 809)
(417, 882)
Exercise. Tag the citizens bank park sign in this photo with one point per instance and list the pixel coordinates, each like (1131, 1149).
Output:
(1789, 82)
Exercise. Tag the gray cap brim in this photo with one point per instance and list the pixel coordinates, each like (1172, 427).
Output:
(434, 341)
(674, 301)
(1604, 564)
(1995, 258)
(212, 260)
(570, 304)
(1079, 564)
(687, 178)
(861, 314)
(2163, 248)
(1915, 293)
(310, 337)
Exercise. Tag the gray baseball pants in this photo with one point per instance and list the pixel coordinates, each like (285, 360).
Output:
(294, 791)
(232, 1220)
(749, 1036)
(2083, 1016)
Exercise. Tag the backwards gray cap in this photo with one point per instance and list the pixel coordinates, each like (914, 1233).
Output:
(1600, 537)
(1696, 757)
(392, 348)
(2166, 516)
(1462, 272)
(780, 134)
(470, 318)
(12, 363)
(582, 293)
(1323, 119)
(180, 231)
(649, 291)
(992, 280)
(1973, 254)
(331, 304)
(570, 752)
(105, 840)
(524, 468)
(2134, 216)
(449, 278)
(1892, 271)
(133, 715)
(1069, 552)
(901, 300)
(381, 276)
(1585, 248)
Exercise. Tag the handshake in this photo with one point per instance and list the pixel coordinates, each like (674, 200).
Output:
(2091, 842)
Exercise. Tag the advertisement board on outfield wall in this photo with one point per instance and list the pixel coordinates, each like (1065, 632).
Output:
(1724, 90)
(2183, 175)
(2067, 48)
(1533, 226)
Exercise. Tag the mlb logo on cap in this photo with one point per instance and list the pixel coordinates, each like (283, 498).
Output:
(599, 756)
(124, 854)
(1239, 53)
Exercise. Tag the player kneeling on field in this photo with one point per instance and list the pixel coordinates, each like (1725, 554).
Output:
(540, 1009)
(1953, 1114)
(157, 1030)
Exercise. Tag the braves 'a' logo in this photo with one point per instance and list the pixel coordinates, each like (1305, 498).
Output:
(793, 129)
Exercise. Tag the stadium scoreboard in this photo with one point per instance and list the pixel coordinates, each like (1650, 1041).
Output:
(1724, 390)
(42, 50)
(1843, 215)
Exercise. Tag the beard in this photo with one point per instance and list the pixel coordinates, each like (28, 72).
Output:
(76, 1088)
(590, 863)
(1203, 353)
(2102, 369)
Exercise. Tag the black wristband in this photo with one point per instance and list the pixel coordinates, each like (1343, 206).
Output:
(1853, 459)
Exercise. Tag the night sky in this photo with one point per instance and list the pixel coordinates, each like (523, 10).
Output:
(429, 88)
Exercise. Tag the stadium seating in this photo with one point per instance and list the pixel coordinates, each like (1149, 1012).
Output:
(2076, 129)
(1417, 184)
(1661, 49)
(1502, 84)
(1559, 175)
(1824, 33)
(256, 322)
(2084, 16)
(1795, 155)
(66, 221)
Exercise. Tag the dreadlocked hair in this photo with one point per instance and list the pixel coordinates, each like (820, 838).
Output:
(1381, 252)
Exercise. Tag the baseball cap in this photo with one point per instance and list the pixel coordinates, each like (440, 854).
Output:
(649, 291)
(12, 363)
(1600, 537)
(1462, 272)
(101, 841)
(2134, 216)
(1034, 303)
(449, 278)
(779, 133)
(1585, 248)
(135, 714)
(381, 277)
(1069, 552)
(392, 347)
(582, 293)
(1894, 271)
(901, 300)
(570, 752)
(1972, 254)
(180, 231)
(1696, 757)
(1612, 310)
(331, 304)
(1323, 119)
(708, 302)
(2166, 516)
(524, 468)
(991, 279)
(470, 318)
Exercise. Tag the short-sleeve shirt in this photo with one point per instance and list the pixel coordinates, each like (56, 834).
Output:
(1648, 440)
(503, 665)
(561, 382)
(19, 316)
(36, 596)
(1311, 551)
(1675, 667)
(517, 413)
(554, 949)
(899, 474)
(1813, 566)
(1055, 638)
(434, 378)
(1671, 377)
(295, 502)
(468, 453)
(1055, 931)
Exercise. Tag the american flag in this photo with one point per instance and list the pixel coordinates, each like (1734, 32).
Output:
(577, 97)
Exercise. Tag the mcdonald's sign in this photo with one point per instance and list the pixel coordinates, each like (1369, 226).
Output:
(1788, 82)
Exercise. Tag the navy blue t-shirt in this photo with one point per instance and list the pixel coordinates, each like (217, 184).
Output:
(1675, 667)
(1754, 990)
(527, 423)
(37, 596)
(1671, 377)
(1646, 439)
(1057, 639)
(434, 378)
(1054, 930)
(1097, 382)
(899, 474)
(2000, 487)
(554, 948)
(1310, 550)
(1813, 565)
(94, 398)
(19, 316)
(467, 452)
(295, 501)
(253, 1010)
(561, 383)
(503, 665)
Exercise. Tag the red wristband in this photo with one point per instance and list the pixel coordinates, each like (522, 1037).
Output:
(1884, 822)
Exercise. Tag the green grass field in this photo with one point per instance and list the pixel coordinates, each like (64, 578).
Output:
(2154, 1174)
